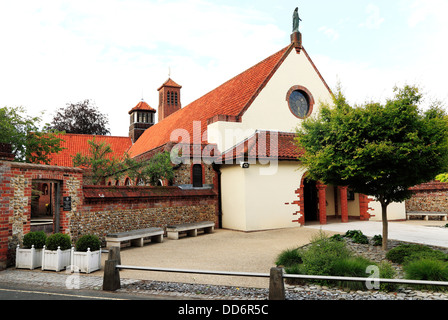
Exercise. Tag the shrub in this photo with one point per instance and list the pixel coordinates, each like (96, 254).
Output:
(377, 240)
(289, 257)
(337, 237)
(360, 238)
(36, 238)
(408, 252)
(426, 254)
(58, 240)
(427, 269)
(88, 241)
(352, 233)
(321, 255)
(351, 267)
(387, 272)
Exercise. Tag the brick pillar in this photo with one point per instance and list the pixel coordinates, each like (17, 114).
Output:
(344, 206)
(321, 188)
(364, 207)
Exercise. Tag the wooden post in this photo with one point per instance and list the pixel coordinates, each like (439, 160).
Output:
(276, 284)
(111, 280)
(114, 254)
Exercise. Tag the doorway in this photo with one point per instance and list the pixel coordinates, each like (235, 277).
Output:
(310, 199)
(45, 205)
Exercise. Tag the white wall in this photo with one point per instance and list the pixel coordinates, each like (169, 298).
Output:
(395, 211)
(260, 201)
(233, 197)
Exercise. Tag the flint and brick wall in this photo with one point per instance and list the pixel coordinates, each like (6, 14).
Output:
(116, 209)
(94, 209)
(431, 196)
(15, 200)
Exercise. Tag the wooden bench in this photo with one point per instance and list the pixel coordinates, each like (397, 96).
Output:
(426, 214)
(191, 229)
(134, 237)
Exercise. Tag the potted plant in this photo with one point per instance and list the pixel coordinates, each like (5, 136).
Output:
(86, 256)
(56, 252)
(30, 256)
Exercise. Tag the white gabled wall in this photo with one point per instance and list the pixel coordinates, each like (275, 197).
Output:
(253, 199)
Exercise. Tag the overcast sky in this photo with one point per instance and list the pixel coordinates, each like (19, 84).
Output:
(115, 52)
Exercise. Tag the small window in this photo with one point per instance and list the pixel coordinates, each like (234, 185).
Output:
(127, 182)
(168, 98)
(175, 98)
(197, 176)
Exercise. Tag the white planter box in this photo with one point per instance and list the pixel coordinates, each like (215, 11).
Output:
(56, 260)
(28, 258)
(86, 261)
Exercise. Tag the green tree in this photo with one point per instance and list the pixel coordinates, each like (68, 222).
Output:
(378, 150)
(98, 162)
(29, 142)
(101, 164)
(159, 167)
(82, 117)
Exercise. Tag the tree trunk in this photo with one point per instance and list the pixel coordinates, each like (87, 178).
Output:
(385, 225)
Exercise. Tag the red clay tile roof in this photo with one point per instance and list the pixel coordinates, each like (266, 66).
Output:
(142, 105)
(263, 145)
(169, 83)
(231, 99)
(75, 143)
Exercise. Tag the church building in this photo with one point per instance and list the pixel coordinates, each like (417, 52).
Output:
(239, 139)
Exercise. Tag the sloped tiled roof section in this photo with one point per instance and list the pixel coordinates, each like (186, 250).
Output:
(231, 99)
(169, 83)
(264, 145)
(75, 143)
(142, 105)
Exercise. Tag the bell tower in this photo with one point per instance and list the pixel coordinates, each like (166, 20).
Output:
(169, 98)
(142, 117)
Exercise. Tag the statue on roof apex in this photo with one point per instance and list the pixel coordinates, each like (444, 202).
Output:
(295, 20)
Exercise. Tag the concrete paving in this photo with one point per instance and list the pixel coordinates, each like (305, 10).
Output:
(428, 232)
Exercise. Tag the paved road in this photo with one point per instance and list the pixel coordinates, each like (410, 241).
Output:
(25, 292)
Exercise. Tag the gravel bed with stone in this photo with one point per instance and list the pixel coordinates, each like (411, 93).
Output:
(293, 292)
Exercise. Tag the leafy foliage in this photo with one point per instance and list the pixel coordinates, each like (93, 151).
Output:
(34, 238)
(88, 241)
(81, 117)
(102, 165)
(98, 161)
(406, 253)
(427, 269)
(329, 256)
(56, 240)
(377, 150)
(29, 142)
(159, 167)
